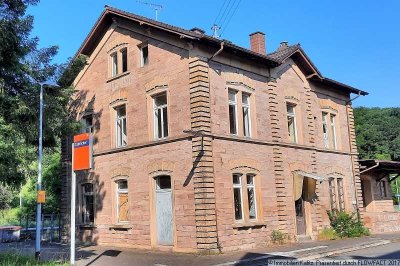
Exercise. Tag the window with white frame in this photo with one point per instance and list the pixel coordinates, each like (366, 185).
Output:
(233, 122)
(120, 126)
(244, 197)
(291, 120)
(251, 196)
(144, 56)
(114, 64)
(122, 201)
(160, 116)
(238, 196)
(87, 203)
(246, 115)
(325, 129)
(87, 124)
(333, 131)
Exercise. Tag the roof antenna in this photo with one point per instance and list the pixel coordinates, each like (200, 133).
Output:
(156, 7)
(215, 28)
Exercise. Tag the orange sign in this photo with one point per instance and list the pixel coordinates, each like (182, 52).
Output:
(82, 152)
(41, 196)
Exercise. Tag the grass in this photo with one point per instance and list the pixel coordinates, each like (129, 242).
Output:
(14, 259)
(396, 208)
(327, 234)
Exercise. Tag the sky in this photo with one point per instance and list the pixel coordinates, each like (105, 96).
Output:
(356, 42)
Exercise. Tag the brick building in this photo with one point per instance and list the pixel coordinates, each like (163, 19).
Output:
(202, 145)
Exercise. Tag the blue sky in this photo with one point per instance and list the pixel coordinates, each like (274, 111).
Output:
(356, 42)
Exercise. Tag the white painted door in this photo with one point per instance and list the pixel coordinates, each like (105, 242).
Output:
(164, 215)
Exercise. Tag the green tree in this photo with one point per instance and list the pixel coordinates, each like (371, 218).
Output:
(378, 133)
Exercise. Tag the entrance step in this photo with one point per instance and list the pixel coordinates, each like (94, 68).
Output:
(303, 238)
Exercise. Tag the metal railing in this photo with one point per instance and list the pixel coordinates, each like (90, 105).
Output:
(50, 227)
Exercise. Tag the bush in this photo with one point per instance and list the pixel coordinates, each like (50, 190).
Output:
(347, 225)
(278, 237)
(13, 259)
(327, 234)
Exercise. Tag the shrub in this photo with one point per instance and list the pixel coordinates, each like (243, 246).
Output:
(347, 224)
(278, 237)
(327, 233)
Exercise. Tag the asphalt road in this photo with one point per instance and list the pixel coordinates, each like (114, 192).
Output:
(389, 251)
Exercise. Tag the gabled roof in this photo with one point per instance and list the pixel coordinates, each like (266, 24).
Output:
(110, 13)
(270, 60)
(297, 53)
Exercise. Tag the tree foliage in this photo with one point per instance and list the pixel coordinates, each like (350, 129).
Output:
(378, 133)
(23, 66)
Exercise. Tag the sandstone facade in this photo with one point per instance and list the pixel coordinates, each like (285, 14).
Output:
(200, 165)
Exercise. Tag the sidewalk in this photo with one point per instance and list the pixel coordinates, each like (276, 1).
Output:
(111, 256)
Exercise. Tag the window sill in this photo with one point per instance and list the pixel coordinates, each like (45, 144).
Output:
(249, 225)
(120, 226)
(87, 226)
(118, 76)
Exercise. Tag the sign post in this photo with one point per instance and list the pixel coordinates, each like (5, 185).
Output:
(81, 160)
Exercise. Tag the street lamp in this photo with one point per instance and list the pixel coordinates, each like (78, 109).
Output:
(39, 184)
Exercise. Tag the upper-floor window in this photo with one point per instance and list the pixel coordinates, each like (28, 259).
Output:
(87, 203)
(122, 201)
(233, 123)
(124, 59)
(333, 131)
(329, 130)
(114, 64)
(291, 120)
(119, 62)
(144, 55)
(246, 115)
(87, 124)
(160, 116)
(120, 126)
(325, 129)
(244, 187)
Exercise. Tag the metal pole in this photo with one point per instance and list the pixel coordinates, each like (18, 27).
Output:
(73, 192)
(39, 184)
(397, 193)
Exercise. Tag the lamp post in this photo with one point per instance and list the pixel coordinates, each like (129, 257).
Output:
(39, 184)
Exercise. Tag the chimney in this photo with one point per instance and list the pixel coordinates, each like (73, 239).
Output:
(257, 42)
(283, 45)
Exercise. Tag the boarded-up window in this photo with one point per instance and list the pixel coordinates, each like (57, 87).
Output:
(122, 201)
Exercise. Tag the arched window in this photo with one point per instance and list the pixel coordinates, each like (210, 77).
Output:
(245, 196)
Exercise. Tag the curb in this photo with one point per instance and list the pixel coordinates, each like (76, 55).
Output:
(344, 250)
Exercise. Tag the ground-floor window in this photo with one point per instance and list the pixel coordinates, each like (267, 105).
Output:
(382, 188)
(122, 201)
(87, 203)
(244, 197)
(336, 193)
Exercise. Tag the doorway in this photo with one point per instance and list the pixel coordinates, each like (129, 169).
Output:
(300, 217)
(164, 214)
